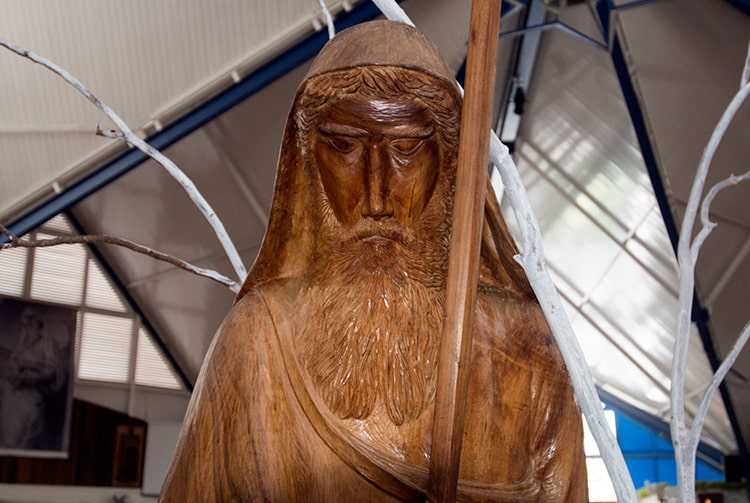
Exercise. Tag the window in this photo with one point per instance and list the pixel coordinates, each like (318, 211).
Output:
(600, 485)
(111, 345)
(149, 363)
(106, 347)
(13, 271)
(57, 272)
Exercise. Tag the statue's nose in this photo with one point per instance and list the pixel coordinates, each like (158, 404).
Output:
(377, 202)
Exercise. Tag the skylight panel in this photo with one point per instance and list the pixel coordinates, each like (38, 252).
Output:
(58, 224)
(100, 292)
(106, 345)
(58, 273)
(152, 368)
(13, 271)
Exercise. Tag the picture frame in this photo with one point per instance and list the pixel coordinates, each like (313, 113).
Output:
(130, 443)
(37, 344)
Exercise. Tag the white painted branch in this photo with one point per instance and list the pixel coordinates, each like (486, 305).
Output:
(393, 11)
(329, 19)
(721, 372)
(707, 225)
(534, 265)
(144, 147)
(746, 72)
(16, 242)
(729, 181)
(684, 438)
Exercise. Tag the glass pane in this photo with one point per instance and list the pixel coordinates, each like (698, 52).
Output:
(600, 485)
(106, 343)
(58, 273)
(58, 224)
(100, 292)
(151, 367)
(13, 271)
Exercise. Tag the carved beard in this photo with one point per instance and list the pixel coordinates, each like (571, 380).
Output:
(371, 315)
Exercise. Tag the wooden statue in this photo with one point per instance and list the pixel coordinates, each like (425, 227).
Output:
(320, 383)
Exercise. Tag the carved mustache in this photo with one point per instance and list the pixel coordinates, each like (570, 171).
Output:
(388, 228)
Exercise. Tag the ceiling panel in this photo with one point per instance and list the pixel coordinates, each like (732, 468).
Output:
(149, 61)
(686, 59)
(604, 239)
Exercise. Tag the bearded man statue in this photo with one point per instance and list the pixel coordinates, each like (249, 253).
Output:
(320, 383)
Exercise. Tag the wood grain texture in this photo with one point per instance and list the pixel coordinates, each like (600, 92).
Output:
(463, 264)
(321, 383)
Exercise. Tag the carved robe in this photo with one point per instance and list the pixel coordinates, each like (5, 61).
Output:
(259, 427)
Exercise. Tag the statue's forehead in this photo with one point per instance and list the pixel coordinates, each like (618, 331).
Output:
(377, 80)
(378, 94)
(377, 105)
(368, 111)
(377, 84)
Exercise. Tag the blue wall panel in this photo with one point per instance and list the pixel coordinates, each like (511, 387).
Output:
(650, 457)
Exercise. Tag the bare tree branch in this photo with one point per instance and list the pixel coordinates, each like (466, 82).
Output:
(533, 263)
(16, 242)
(685, 438)
(134, 140)
(329, 20)
(721, 373)
(746, 72)
(707, 226)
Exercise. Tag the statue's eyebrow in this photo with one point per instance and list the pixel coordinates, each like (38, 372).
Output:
(412, 131)
(338, 129)
(401, 131)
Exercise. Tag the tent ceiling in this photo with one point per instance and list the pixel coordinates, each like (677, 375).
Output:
(577, 149)
(686, 72)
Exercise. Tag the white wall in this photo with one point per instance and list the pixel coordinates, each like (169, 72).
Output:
(160, 444)
(149, 404)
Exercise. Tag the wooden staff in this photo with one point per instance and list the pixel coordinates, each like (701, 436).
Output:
(463, 264)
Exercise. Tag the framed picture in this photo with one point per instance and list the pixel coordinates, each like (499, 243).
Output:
(130, 442)
(36, 378)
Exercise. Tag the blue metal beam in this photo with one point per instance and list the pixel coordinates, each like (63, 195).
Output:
(189, 123)
(743, 5)
(605, 10)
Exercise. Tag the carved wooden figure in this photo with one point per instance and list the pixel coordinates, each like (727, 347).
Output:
(320, 383)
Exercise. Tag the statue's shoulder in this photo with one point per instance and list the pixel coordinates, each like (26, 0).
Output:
(249, 328)
(259, 312)
(266, 298)
(516, 327)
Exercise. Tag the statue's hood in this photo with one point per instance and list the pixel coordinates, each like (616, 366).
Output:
(290, 236)
(382, 43)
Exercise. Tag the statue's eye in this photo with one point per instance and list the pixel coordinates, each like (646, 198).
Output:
(406, 146)
(343, 144)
